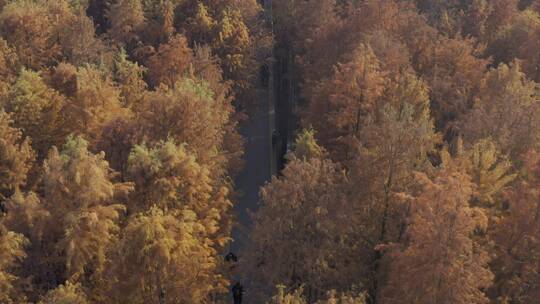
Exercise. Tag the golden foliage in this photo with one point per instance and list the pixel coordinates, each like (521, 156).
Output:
(65, 294)
(170, 63)
(81, 197)
(517, 250)
(87, 238)
(439, 253)
(343, 101)
(16, 157)
(31, 27)
(489, 170)
(162, 258)
(170, 178)
(79, 42)
(189, 113)
(11, 253)
(506, 110)
(161, 86)
(27, 215)
(305, 146)
(127, 19)
(96, 103)
(37, 110)
(301, 231)
(129, 76)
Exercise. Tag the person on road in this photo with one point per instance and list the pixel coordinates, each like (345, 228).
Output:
(238, 292)
(231, 257)
(275, 138)
(265, 75)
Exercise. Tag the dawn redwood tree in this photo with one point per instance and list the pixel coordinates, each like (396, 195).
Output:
(306, 147)
(63, 78)
(235, 31)
(233, 45)
(198, 21)
(162, 258)
(453, 70)
(302, 228)
(343, 101)
(78, 41)
(32, 29)
(516, 245)
(26, 214)
(9, 65)
(519, 40)
(393, 143)
(11, 254)
(506, 110)
(117, 140)
(96, 103)
(438, 261)
(126, 19)
(169, 177)
(16, 157)
(189, 112)
(38, 111)
(310, 30)
(170, 63)
(74, 220)
(490, 171)
(205, 66)
(65, 294)
(84, 203)
(475, 19)
(128, 76)
(502, 14)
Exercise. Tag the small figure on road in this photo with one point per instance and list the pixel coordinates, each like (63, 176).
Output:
(275, 137)
(238, 292)
(231, 257)
(265, 75)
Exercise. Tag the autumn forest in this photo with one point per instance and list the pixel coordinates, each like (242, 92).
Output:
(401, 140)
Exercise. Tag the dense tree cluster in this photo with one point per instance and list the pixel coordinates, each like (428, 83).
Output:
(118, 143)
(415, 178)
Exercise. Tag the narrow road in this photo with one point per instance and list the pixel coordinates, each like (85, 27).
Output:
(260, 160)
(256, 171)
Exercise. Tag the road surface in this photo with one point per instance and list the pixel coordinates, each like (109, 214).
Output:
(257, 167)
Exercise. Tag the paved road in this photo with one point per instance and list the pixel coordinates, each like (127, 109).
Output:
(256, 131)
